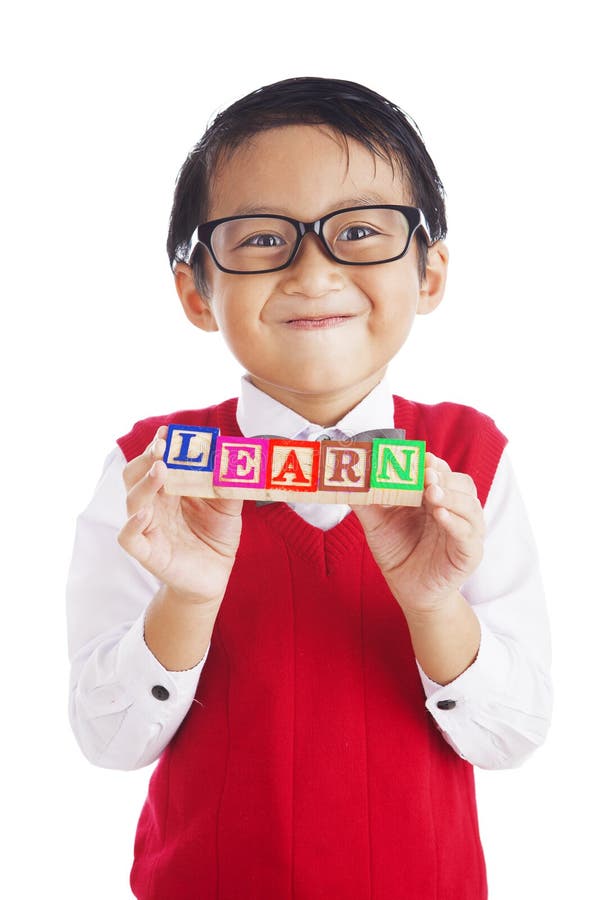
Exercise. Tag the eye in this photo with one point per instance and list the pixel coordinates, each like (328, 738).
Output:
(356, 233)
(263, 240)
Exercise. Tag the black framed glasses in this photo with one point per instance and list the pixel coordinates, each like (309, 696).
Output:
(356, 236)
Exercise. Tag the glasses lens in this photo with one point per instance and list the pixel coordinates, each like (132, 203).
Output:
(367, 235)
(253, 244)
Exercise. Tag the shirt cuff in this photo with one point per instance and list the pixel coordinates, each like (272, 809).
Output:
(457, 705)
(154, 701)
(147, 677)
(125, 706)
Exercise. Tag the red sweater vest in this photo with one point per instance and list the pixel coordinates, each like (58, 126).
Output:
(309, 766)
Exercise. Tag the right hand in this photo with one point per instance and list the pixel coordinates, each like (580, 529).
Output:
(187, 543)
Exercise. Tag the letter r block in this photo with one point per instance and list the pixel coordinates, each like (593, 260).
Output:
(190, 447)
(345, 466)
(398, 465)
(241, 462)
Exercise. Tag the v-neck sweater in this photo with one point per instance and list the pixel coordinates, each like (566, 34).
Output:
(308, 766)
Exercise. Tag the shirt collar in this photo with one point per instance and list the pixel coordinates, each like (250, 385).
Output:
(258, 413)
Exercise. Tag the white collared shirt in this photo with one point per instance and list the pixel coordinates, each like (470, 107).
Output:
(502, 701)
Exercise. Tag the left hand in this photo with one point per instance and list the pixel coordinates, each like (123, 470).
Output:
(426, 553)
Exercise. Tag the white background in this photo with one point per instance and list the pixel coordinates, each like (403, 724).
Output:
(101, 103)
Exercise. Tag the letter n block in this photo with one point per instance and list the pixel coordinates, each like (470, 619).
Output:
(293, 465)
(345, 467)
(190, 447)
(241, 462)
(398, 465)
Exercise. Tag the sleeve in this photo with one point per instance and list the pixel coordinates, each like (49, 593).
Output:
(124, 706)
(498, 711)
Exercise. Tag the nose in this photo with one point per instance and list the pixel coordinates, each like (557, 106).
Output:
(313, 272)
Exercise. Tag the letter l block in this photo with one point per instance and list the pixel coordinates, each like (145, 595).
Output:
(190, 447)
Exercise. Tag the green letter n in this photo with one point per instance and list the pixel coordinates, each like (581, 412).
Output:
(399, 466)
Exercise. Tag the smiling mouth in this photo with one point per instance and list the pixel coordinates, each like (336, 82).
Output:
(318, 322)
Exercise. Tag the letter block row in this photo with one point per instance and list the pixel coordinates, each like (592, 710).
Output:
(204, 463)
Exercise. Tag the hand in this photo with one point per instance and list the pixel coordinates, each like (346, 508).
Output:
(187, 543)
(426, 553)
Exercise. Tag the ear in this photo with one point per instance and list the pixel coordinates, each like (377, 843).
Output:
(195, 306)
(431, 291)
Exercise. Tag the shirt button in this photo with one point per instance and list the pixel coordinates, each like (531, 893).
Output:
(161, 693)
(446, 704)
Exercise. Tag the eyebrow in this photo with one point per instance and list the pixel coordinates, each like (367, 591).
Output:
(363, 200)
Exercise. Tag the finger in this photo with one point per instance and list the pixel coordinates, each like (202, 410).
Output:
(463, 546)
(226, 506)
(437, 471)
(137, 467)
(194, 507)
(448, 480)
(372, 515)
(132, 538)
(459, 505)
(436, 462)
(144, 492)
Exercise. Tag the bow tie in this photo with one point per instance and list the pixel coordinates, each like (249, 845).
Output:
(387, 433)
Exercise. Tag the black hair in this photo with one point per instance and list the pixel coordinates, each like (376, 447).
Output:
(350, 109)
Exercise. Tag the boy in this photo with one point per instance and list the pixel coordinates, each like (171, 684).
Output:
(318, 683)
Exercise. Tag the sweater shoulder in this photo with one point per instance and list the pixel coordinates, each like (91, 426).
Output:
(469, 440)
(221, 415)
(447, 422)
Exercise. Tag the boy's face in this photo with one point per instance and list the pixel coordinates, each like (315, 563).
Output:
(317, 335)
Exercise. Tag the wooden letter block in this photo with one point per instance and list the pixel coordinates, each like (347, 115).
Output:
(293, 465)
(190, 447)
(345, 467)
(398, 465)
(241, 462)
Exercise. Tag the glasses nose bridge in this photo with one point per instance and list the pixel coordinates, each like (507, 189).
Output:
(309, 228)
(305, 228)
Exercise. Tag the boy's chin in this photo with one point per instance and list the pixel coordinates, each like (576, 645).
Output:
(322, 382)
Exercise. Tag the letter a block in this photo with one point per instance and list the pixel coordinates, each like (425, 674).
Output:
(293, 465)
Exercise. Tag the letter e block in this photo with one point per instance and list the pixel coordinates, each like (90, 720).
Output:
(398, 465)
(293, 465)
(241, 462)
(190, 447)
(345, 467)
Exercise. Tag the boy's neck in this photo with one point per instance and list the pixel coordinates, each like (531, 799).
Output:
(322, 409)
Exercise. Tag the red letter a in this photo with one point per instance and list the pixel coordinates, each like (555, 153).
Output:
(292, 465)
